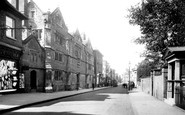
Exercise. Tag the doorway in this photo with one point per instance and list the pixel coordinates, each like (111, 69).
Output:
(33, 79)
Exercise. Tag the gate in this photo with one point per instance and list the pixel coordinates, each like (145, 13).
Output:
(181, 97)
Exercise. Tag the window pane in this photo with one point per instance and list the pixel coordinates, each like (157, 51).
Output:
(10, 25)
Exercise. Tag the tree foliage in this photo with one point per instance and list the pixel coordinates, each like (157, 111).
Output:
(144, 68)
(162, 24)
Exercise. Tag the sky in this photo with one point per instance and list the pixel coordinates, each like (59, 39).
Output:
(105, 23)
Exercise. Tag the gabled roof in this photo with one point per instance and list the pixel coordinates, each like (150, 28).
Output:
(57, 10)
(77, 36)
(177, 49)
(30, 38)
(5, 5)
(87, 43)
(172, 52)
(31, 1)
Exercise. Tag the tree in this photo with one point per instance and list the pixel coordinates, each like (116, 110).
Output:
(162, 24)
(144, 68)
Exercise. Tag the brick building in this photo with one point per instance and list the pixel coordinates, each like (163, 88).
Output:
(10, 45)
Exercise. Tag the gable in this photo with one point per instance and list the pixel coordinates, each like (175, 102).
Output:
(32, 43)
(57, 18)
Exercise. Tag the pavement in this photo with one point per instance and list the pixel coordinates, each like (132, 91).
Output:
(142, 103)
(11, 102)
(145, 104)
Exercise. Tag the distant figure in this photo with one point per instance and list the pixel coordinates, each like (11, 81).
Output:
(124, 85)
(93, 86)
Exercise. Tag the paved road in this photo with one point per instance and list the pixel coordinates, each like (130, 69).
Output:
(112, 101)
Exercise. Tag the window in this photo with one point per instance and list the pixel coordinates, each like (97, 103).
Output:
(60, 57)
(56, 56)
(182, 70)
(89, 66)
(10, 24)
(59, 75)
(61, 40)
(56, 75)
(32, 14)
(33, 57)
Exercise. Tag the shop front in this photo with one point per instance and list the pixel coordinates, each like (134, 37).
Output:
(10, 77)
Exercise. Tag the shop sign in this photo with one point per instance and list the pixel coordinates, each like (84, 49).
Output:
(9, 53)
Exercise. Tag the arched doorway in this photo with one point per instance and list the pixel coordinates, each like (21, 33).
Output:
(33, 79)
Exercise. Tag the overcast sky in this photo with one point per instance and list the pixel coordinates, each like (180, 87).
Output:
(104, 22)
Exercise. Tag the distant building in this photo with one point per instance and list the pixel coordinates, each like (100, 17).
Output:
(98, 66)
(89, 61)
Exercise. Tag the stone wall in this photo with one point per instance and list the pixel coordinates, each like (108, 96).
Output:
(159, 84)
(146, 85)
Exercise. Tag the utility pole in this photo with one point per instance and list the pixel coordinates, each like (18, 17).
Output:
(129, 76)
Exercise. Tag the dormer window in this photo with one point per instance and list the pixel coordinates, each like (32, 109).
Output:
(10, 25)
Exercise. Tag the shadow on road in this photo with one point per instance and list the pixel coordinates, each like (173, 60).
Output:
(46, 113)
(99, 95)
(94, 96)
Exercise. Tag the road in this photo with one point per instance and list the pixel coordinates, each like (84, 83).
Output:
(111, 101)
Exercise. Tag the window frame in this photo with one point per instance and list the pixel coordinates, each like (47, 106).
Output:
(10, 28)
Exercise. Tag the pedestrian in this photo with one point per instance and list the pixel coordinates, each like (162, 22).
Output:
(93, 86)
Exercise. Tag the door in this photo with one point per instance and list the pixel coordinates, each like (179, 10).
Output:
(78, 81)
(33, 79)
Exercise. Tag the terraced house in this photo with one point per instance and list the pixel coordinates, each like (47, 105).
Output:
(11, 18)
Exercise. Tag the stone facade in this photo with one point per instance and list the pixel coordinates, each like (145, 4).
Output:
(77, 60)
(51, 32)
(98, 66)
(36, 22)
(69, 58)
(56, 34)
(146, 85)
(33, 65)
(89, 62)
(159, 86)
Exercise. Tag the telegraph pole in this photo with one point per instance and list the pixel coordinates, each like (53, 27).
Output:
(129, 76)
